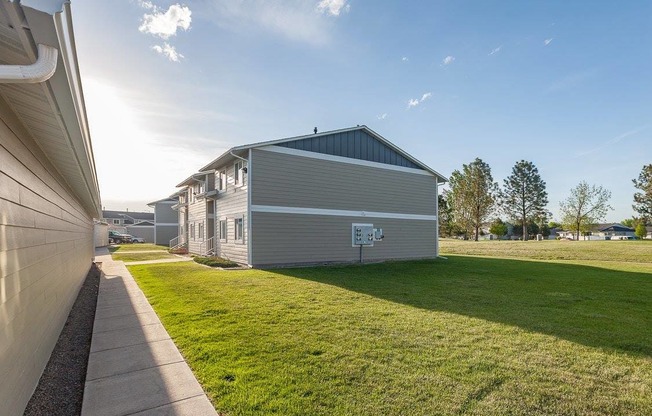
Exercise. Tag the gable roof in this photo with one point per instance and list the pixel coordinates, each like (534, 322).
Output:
(144, 216)
(164, 200)
(615, 227)
(300, 142)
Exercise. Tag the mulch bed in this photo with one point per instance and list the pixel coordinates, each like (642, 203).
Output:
(60, 390)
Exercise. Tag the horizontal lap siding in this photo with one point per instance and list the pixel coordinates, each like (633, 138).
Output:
(230, 204)
(295, 239)
(288, 180)
(46, 249)
(196, 214)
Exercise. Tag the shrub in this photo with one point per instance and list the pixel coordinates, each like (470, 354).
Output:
(215, 262)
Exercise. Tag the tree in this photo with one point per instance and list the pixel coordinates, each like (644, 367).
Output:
(472, 196)
(446, 225)
(524, 197)
(643, 199)
(641, 231)
(554, 224)
(498, 227)
(629, 222)
(585, 206)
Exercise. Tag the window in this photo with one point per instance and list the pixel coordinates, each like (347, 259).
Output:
(238, 229)
(200, 188)
(192, 230)
(223, 230)
(201, 230)
(239, 171)
(221, 180)
(116, 222)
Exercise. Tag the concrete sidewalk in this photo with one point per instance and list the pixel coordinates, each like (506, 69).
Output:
(134, 367)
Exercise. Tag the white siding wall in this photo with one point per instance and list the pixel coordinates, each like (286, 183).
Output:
(46, 249)
(196, 215)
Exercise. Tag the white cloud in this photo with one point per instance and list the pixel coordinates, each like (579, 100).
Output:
(296, 20)
(448, 60)
(413, 102)
(333, 7)
(382, 116)
(165, 24)
(145, 4)
(547, 41)
(495, 50)
(405, 59)
(168, 51)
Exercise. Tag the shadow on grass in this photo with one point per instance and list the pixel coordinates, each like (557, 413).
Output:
(588, 305)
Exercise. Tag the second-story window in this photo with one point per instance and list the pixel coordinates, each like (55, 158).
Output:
(239, 173)
(220, 178)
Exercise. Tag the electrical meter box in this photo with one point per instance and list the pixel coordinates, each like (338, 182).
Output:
(378, 234)
(362, 235)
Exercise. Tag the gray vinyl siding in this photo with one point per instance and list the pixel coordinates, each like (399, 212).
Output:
(291, 239)
(165, 233)
(164, 213)
(144, 232)
(196, 215)
(46, 249)
(355, 144)
(295, 181)
(229, 205)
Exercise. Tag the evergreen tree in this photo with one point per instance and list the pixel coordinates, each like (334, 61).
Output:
(472, 196)
(524, 197)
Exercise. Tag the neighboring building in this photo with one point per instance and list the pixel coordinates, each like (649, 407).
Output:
(649, 233)
(49, 193)
(609, 231)
(166, 220)
(138, 224)
(294, 201)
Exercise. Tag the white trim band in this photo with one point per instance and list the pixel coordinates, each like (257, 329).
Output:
(167, 224)
(342, 159)
(340, 213)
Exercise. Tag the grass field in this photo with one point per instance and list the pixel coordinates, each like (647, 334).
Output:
(467, 335)
(137, 247)
(141, 256)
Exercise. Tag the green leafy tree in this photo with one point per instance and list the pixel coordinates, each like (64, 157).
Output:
(554, 224)
(643, 199)
(445, 214)
(586, 205)
(641, 231)
(524, 197)
(498, 227)
(629, 222)
(472, 196)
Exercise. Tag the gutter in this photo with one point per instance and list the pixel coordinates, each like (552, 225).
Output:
(40, 71)
(239, 157)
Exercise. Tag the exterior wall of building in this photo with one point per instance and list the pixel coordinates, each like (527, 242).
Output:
(196, 216)
(101, 234)
(303, 208)
(145, 232)
(230, 205)
(46, 250)
(166, 222)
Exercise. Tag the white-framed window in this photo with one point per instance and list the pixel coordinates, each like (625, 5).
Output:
(192, 230)
(116, 222)
(201, 230)
(200, 188)
(221, 180)
(239, 229)
(191, 194)
(239, 173)
(222, 229)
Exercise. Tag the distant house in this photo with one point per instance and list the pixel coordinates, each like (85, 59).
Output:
(608, 231)
(648, 236)
(166, 220)
(306, 200)
(138, 224)
(49, 195)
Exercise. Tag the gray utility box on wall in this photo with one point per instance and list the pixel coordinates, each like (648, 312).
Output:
(362, 235)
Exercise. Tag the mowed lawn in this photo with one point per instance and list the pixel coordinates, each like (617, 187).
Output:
(139, 252)
(467, 335)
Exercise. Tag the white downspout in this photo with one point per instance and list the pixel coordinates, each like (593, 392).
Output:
(39, 71)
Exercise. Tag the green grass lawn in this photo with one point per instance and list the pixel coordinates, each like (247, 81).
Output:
(467, 335)
(136, 256)
(137, 247)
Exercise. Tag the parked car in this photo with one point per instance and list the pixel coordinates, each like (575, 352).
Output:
(118, 238)
(137, 239)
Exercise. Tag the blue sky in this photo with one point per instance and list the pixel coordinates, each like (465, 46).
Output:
(169, 86)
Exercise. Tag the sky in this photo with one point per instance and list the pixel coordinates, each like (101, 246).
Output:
(170, 86)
